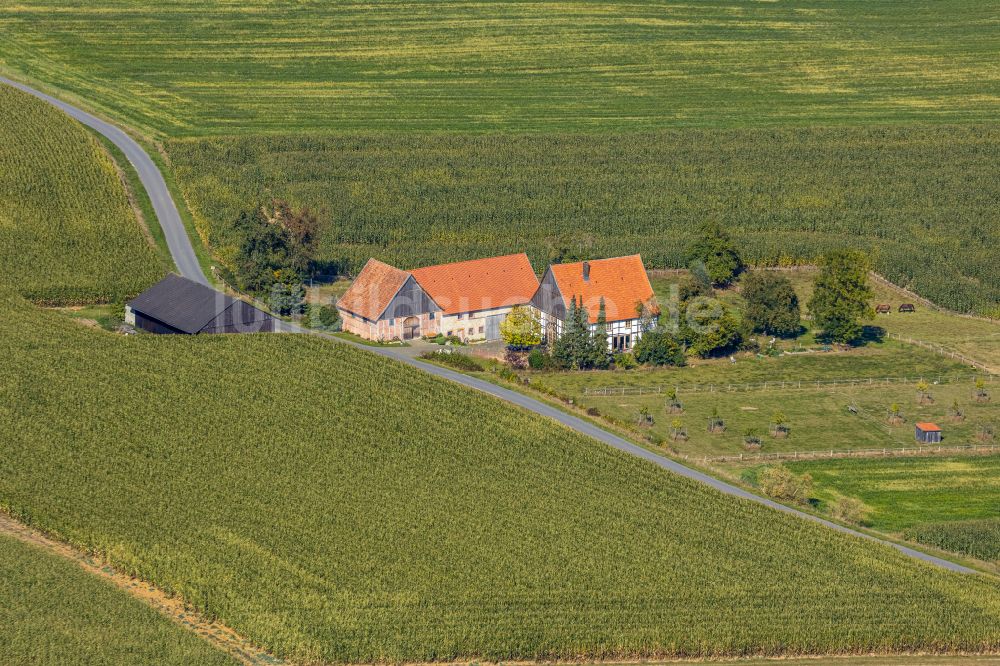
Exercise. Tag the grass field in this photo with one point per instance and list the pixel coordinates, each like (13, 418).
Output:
(819, 418)
(948, 503)
(67, 233)
(918, 199)
(906, 493)
(187, 68)
(53, 612)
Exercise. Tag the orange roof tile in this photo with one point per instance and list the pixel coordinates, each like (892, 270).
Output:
(928, 427)
(480, 284)
(621, 281)
(373, 289)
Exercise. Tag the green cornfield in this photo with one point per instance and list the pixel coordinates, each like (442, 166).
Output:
(922, 202)
(67, 233)
(257, 477)
(978, 538)
(53, 612)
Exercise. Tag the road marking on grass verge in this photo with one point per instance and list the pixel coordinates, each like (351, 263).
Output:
(219, 635)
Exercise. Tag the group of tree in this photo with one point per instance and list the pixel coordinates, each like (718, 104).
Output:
(706, 326)
(275, 253)
(840, 304)
(579, 347)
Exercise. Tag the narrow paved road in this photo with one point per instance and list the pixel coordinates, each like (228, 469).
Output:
(186, 261)
(163, 204)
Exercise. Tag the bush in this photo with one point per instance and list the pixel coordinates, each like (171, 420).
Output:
(659, 347)
(515, 358)
(848, 510)
(625, 361)
(462, 362)
(781, 483)
(710, 328)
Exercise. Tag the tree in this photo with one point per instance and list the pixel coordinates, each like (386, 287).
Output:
(575, 348)
(301, 229)
(659, 347)
(521, 327)
(598, 343)
(840, 301)
(716, 252)
(711, 331)
(772, 306)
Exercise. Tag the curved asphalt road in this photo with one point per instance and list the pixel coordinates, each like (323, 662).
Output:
(187, 263)
(163, 204)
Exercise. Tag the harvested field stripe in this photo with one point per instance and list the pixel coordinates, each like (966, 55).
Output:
(214, 632)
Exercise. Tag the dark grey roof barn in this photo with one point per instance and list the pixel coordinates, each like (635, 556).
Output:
(178, 305)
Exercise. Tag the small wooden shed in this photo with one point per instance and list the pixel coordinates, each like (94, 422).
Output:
(928, 433)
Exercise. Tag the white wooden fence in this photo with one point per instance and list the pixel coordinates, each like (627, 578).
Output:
(781, 384)
(979, 449)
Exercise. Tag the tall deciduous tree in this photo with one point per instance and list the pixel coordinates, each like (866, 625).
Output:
(841, 299)
(715, 250)
(521, 327)
(771, 304)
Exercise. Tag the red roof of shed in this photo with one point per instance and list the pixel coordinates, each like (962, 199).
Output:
(928, 427)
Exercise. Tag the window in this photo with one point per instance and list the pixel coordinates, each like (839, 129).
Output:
(621, 342)
(472, 331)
(481, 329)
(431, 316)
(448, 333)
(392, 322)
(461, 316)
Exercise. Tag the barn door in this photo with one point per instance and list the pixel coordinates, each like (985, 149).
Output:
(411, 328)
(493, 326)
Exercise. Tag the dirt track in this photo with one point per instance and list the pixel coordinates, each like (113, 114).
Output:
(215, 633)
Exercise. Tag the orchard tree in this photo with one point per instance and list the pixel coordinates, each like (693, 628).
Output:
(714, 250)
(772, 306)
(521, 327)
(840, 301)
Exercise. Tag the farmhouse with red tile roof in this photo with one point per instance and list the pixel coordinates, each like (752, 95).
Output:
(621, 283)
(469, 299)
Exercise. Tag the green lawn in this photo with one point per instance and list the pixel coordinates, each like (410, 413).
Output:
(819, 418)
(53, 612)
(905, 492)
(191, 68)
